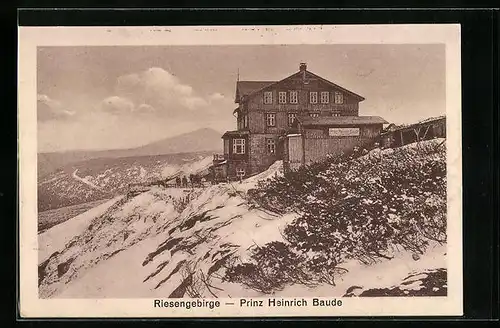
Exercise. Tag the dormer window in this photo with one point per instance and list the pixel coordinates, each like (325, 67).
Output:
(313, 97)
(339, 98)
(268, 97)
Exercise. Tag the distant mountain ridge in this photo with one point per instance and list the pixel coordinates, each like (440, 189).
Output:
(200, 140)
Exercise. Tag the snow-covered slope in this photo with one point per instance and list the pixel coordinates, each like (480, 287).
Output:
(177, 243)
(56, 238)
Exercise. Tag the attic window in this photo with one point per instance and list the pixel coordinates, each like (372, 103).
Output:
(313, 97)
(325, 97)
(339, 98)
(268, 97)
(282, 97)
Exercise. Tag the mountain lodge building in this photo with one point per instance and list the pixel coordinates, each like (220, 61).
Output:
(299, 119)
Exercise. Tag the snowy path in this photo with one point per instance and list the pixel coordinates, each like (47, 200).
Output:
(85, 181)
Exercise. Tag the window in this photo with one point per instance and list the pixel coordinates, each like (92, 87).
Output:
(325, 97)
(282, 97)
(336, 114)
(291, 118)
(238, 146)
(268, 97)
(240, 172)
(226, 146)
(294, 97)
(271, 119)
(339, 98)
(271, 146)
(314, 114)
(313, 97)
(245, 121)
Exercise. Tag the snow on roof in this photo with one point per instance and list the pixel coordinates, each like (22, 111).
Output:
(341, 120)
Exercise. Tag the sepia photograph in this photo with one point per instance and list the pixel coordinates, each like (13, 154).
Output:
(264, 175)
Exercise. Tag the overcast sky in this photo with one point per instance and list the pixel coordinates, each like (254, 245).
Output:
(127, 96)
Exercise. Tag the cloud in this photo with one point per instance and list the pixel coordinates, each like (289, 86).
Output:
(51, 109)
(157, 91)
(193, 103)
(116, 105)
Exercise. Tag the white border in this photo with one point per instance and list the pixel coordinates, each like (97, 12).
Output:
(31, 37)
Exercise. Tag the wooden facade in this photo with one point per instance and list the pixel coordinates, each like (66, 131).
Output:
(397, 136)
(268, 111)
(317, 138)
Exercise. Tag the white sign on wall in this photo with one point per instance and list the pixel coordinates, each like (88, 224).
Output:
(343, 132)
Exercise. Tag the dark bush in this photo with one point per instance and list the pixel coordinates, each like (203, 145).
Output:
(350, 207)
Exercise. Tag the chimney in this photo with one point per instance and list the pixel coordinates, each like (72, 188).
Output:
(302, 67)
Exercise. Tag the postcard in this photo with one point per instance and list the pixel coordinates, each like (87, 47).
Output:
(240, 171)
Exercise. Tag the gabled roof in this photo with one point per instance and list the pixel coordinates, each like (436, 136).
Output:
(341, 120)
(355, 95)
(247, 88)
